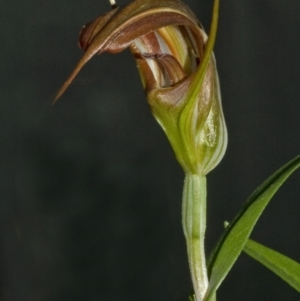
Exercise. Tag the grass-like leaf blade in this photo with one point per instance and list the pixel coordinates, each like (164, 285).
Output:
(283, 266)
(237, 233)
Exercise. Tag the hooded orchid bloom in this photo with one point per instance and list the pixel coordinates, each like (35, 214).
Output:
(178, 72)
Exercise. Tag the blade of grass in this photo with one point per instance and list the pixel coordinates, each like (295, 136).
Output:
(237, 233)
(283, 266)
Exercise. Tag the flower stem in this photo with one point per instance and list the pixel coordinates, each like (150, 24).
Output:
(194, 224)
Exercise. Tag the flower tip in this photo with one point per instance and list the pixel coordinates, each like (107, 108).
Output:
(60, 92)
(68, 82)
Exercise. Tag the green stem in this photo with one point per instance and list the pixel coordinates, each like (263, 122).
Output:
(194, 224)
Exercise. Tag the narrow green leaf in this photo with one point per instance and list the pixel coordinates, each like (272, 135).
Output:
(283, 266)
(237, 233)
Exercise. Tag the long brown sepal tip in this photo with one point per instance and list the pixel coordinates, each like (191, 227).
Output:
(60, 92)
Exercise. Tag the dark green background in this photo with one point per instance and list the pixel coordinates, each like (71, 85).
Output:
(90, 190)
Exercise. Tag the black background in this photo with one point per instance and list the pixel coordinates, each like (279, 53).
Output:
(90, 190)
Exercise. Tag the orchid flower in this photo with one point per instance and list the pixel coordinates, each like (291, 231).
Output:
(178, 72)
(168, 44)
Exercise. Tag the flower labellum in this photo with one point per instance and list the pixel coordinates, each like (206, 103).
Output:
(178, 71)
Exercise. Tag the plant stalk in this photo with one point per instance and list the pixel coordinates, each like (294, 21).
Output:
(194, 224)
